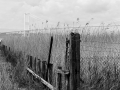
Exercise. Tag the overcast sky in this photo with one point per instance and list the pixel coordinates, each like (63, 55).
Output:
(64, 11)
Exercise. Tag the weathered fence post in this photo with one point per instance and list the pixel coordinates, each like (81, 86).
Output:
(34, 68)
(31, 65)
(5, 50)
(67, 64)
(30, 62)
(50, 73)
(39, 67)
(28, 65)
(59, 80)
(9, 48)
(74, 61)
(44, 68)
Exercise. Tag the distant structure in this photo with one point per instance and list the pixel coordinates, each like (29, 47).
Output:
(26, 21)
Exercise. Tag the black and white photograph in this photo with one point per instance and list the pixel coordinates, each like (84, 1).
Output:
(59, 44)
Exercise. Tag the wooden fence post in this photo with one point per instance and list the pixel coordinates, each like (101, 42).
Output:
(50, 73)
(67, 65)
(3, 48)
(9, 48)
(31, 62)
(28, 61)
(35, 64)
(74, 61)
(34, 68)
(31, 65)
(6, 47)
(39, 67)
(44, 68)
(59, 80)
(28, 65)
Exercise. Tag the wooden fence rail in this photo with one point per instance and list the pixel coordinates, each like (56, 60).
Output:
(42, 80)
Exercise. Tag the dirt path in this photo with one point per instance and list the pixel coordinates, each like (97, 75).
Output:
(5, 82)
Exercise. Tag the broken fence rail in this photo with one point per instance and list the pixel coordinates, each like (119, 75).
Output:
(42, 80)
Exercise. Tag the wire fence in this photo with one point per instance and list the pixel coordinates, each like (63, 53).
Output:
(94, 39)
(100, 47)
(82, 29)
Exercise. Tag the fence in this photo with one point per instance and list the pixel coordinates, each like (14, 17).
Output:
(43, 70)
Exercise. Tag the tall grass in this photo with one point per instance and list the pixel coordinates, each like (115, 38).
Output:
(100, 54)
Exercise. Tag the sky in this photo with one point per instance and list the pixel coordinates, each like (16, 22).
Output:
(64, 11)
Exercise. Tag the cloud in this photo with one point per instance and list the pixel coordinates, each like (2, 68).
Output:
(65, 11)
(95, 6)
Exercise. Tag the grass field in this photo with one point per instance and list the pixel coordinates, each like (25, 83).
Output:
(100, 54)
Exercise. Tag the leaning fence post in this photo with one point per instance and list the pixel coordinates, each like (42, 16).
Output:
(49, 56)
(74, 61)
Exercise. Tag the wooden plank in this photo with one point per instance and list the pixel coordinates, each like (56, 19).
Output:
(42, 80)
